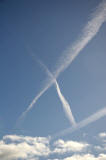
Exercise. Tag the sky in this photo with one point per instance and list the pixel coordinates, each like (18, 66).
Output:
(52, 80)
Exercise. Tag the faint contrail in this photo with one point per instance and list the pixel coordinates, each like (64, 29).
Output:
(99, 114)
(89, 31)
(36, 98)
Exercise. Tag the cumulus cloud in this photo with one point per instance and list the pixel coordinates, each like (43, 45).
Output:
(28, 139)
(100, 149)
(102, 135)
(84, 157)
(87, 157)
(16, 147)
(62, 147)
(13, 147)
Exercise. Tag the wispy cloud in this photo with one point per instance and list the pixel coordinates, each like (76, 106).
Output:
(94, 117)
(88, 33)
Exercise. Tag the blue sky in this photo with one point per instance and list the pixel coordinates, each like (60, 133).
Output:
(50, 31)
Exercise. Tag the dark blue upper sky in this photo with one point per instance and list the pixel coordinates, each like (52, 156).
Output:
(47, 28)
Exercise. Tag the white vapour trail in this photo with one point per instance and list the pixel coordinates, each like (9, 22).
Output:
(94, 117)
(36, 98)
(89, 31)
(66, 106)
(64, 102)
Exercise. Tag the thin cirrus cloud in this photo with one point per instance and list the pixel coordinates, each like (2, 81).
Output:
(92, 118)
(88, 33)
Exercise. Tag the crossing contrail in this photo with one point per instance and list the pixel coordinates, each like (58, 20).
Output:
(88, 33)
(64, 102)
(94, 117)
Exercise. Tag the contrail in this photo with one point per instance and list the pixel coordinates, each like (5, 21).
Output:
(66, 105)
(94, 117)
(36, 98)
(88, 33)
(64, 102)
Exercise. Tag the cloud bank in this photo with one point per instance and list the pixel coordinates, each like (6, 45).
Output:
(84, 157)
(15, 147)
(62, 147)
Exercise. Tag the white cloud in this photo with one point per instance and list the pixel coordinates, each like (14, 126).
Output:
(62, 147)
(28, 139)
(98, 148)
(102, 135)
(13, 147)
(84, 157)
(81, 157)
(102, 157)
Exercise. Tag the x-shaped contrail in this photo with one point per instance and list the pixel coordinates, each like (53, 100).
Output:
(65, 104)
(89, 31)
